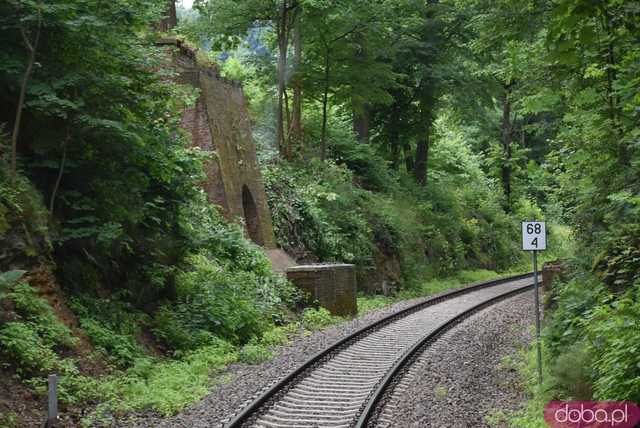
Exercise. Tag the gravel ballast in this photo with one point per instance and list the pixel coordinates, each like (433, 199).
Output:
(243, 382)
(461, 379)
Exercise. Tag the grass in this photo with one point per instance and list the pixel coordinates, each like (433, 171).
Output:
(368, 303)
(168, 386)
(318, 319)
(531, 414)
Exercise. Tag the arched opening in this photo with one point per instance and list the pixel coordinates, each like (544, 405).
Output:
(251, 219)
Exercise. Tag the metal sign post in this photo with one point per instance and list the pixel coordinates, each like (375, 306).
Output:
(537, 309)
(534, 239)
(52, 413)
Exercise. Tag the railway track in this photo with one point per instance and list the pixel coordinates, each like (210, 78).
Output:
(344, 385)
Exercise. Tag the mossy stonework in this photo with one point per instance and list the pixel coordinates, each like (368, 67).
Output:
(333, 286)
(219, 122)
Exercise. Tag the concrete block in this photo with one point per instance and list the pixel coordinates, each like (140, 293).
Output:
(332, 285)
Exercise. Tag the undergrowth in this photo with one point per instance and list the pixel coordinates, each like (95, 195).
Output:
(588, 348)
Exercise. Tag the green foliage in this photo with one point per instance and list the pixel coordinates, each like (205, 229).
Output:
(590, 340)
(23, 346)
(278, 336)
(618, 265)
(24, 222)
(574, 300)
(11, 420)
(531, 415)
(212, 301)
(166, 386)
(303, 208)
(7, 279)
(122, 349)
(127, 170)
(501, 110)
(32, 344)
(37, 311)
(572, 372)
(456, 223)
(254, 353)
(613, 331)
(112, 327)
(318, 318)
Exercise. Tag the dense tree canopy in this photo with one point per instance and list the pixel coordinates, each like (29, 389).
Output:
(409, 137)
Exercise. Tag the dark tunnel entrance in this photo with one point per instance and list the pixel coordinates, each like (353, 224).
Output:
(251, 219)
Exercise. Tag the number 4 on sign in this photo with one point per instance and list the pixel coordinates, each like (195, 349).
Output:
(534, 236)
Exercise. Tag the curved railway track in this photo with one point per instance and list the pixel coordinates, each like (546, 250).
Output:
(343, 385)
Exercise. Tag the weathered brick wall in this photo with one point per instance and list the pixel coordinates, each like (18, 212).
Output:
(333, 286)
(231, 134)
(219, 122)
(196, 122)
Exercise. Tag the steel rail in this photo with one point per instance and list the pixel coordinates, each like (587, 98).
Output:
(253, 407)
(369, 411)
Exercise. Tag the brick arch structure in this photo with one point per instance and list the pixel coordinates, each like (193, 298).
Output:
(219, 122)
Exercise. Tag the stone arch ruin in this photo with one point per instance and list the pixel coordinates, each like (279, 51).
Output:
(219, 123)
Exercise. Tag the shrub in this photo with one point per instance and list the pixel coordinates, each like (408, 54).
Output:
(213, 301)
(278, 336)
(23, 346)
(317, 319)
(572, 372)
(39, 313)
(7, 279)
(605, 330)
(574, 300)
(112, 326)
(613, 329)
(254, 352)
(122, 349)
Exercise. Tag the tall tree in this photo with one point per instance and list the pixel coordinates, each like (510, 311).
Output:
(423, 46)
(230, 20)
(29, 24)
(336, 71)
(295, 129)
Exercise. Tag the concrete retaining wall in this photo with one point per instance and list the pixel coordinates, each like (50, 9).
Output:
(332, 285)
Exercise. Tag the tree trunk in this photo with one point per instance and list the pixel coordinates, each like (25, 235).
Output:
(506, 147)
(408, 156)
(422, 146)
(31, 48)
(283, 43)
(171, 19)
(325, 102)
(422, 157)
(361, 121)
(295, 131)
(359, 106)
(63, 161)
(394, 137)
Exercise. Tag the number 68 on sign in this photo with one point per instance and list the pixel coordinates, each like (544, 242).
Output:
(534, 236)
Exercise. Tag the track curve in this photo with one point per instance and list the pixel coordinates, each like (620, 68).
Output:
(341, 386)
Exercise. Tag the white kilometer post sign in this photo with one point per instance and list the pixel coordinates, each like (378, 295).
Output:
(534, 238)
